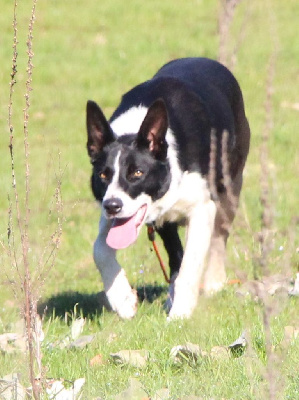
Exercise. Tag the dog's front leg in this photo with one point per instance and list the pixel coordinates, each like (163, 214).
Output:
(122, 298)
(186, 285)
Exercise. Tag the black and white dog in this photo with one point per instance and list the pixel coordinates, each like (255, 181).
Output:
(151, 165)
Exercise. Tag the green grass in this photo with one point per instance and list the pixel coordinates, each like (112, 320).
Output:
(98, 50)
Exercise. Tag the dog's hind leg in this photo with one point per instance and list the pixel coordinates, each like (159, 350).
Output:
(215, 275)
(122, 298)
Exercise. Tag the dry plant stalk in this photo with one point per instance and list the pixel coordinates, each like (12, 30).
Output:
(224, 23)
(227, 182)
(226, 172)
(267, 212)
(212, 168)
(30, 306)
(229, 57)
(27, 285)
(265, 237)
(269, 307)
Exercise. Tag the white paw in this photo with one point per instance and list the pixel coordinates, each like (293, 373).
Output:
(212, 287)
(125, 306)
(183, 300)
(179, 312)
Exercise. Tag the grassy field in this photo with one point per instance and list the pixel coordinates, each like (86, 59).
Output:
(98, 50)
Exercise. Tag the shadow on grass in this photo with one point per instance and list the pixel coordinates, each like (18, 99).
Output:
(91, 305)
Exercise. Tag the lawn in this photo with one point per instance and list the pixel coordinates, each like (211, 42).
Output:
(98, 50)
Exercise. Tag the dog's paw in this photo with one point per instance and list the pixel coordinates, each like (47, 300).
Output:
(213, 286)
(169, 301)
(125, 306)
(129, 307)
(122, 298)
(179, 312)
(182, 302)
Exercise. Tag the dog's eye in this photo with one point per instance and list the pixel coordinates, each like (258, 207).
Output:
(134, 173)
(103, 176)
(138, 173)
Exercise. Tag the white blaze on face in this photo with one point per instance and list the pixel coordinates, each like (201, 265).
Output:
(113, 190)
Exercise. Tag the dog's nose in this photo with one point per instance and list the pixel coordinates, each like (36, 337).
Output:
(113, 206)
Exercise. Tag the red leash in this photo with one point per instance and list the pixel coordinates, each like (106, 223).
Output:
(151, 236)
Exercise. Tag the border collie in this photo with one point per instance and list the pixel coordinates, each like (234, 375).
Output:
(151, 165)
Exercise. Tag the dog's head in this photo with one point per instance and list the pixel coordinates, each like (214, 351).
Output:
(130, 172)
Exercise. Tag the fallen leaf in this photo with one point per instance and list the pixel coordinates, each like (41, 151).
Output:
(82, 341)
(97, 360)
(77, 327)
(187, 352)
(12, 342)
(112, 336)
(295, 290)
(238, 346)
(57, 390)
(135, 391)
(270, 285)
(250, 288)
(276, 283)
(161, 394)
(220, 352)
(7, 337)
(290, 333)
(135, 358)
(10, 388)
(61, 343)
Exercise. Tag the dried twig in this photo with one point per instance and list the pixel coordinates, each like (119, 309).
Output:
(30, 306)
(48, 256)
(30, 301)
(226, 172)
(267, 211)
(227, 182)
(269, 309)
(213, 168)
(28, 280)
(240, 37)
(224, 23)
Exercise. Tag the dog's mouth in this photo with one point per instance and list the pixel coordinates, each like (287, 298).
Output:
(124, 231)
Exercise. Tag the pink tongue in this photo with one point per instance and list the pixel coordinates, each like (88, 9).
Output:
(124, 232)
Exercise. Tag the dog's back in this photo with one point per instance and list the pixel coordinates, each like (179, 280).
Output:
(200, 94)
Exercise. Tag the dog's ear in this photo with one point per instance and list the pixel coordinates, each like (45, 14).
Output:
(99, 132)
(153, 130)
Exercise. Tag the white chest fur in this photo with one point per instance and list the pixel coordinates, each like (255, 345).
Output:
(179, 202)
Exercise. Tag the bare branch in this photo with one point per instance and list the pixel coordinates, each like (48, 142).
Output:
(224, 23)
